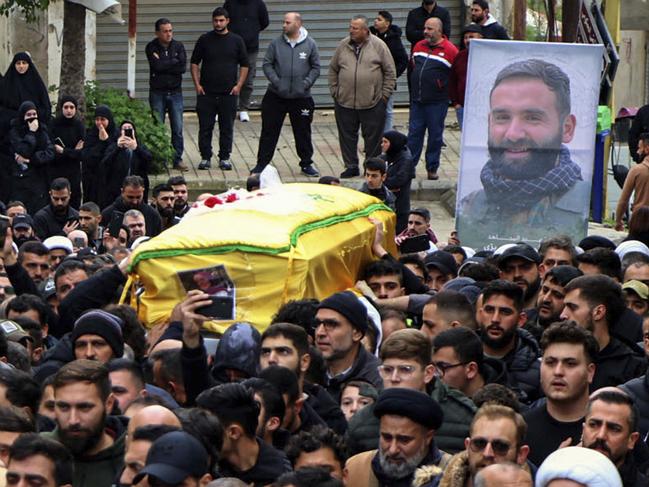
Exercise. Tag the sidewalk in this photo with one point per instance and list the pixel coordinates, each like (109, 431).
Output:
(327, 155)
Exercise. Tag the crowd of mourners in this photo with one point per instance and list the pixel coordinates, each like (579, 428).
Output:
(445, 367)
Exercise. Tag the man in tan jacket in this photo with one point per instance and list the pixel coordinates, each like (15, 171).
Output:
(362, 77)
(407, 454)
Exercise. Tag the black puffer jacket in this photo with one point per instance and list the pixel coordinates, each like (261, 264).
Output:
(392, 37)
(417, 17)
(523, 364)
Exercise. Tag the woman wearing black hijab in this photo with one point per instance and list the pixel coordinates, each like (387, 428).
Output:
(23, 83)
(33, 152)
(67, 133)
(126, 156)
(98, 139)
(400, 173)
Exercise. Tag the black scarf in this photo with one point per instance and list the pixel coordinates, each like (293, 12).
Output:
(18, 88)
(521, 195)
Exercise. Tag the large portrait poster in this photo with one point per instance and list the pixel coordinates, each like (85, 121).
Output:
(528, 142)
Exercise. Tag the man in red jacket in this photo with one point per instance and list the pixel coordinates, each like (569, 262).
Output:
(431, 63)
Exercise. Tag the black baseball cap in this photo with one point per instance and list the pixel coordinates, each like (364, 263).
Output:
(173, 457)
(522, 251)
(443, 261)
(22, 221)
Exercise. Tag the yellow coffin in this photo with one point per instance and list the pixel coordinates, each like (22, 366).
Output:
(290, 242)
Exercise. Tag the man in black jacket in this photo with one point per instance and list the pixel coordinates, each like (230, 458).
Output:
(491, 29)
(248, 18)
(594, 302)
(132, 198)
(390, 33)
(417, 18)
(167, 63)
(57, 218)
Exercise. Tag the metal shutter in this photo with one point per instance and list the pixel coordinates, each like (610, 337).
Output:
(327, 22)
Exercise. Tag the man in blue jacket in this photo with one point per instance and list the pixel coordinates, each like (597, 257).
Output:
(292, 65)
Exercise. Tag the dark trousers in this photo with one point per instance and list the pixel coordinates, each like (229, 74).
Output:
(246, 89)
(273, 112)
(207, 108)
(371, 122)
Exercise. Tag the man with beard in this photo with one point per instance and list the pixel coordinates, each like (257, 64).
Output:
(57, 218)
(163, 196)
(520, 264)
(595, 303)
(179, 185)
(500, 319)
(567, 369)
(497, 436)
(531, 187)
(611, 428)
(132, 198)
(409, 419)
(549, 304)
(89, 219)
(23, 229)
(287, 345)
(82, 403)
(491, 29)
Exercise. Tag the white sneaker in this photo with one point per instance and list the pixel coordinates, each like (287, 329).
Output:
(244, 117)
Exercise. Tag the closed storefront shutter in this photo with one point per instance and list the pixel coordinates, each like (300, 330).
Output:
(326, 20)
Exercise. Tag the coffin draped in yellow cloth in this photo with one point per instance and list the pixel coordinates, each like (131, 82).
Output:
(294, 241)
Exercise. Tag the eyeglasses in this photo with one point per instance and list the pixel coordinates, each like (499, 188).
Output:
(442, 367)
(499, 447)
(401, 370)
(328, 323)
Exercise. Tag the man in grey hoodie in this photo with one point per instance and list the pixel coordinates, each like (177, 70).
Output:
(292, 65)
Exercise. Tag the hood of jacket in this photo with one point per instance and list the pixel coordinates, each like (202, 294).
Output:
(301, 38)
(617, 349)
(238, 349)
(490, 20)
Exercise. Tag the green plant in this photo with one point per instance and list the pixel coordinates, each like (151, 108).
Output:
(155, 135)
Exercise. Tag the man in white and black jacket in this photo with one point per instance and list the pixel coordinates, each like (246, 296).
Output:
(292, 65)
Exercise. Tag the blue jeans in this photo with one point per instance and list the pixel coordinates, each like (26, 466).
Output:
(426, 116)
(459, 113)
(171, 103)
(389, 114)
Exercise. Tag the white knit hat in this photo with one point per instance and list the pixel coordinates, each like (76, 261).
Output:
(583, 465)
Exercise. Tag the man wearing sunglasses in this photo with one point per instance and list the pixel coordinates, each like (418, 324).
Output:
(497, 435)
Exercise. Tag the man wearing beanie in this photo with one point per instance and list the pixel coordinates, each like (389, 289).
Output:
(407, 453)
(340, 323)
(97, 335)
